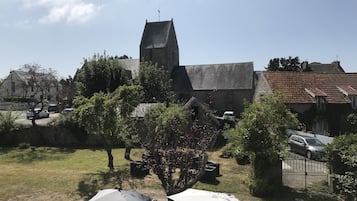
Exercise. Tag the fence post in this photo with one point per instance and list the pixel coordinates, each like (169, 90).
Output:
(305, 173)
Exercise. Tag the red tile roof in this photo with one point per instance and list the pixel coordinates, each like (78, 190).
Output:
(299, 87)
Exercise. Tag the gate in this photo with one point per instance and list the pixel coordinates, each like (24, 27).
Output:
(300, 172)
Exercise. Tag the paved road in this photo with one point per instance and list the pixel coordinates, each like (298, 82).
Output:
(21, 118)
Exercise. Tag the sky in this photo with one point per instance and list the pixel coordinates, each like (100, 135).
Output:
(60, 34)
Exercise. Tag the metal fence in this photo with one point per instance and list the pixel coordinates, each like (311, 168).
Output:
(300, 172)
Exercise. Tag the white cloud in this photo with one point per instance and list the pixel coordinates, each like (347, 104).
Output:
(69, 11)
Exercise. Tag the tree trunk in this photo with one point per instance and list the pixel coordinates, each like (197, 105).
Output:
(110, 158)
(127, 152)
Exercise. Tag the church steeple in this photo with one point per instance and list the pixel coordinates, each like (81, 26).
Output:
(159, 45)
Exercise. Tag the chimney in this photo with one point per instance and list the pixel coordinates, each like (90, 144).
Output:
(305, 66)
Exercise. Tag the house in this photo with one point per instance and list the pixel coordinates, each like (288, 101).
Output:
(19, 85)
(221, 86)
(317, 67)
(322, 100)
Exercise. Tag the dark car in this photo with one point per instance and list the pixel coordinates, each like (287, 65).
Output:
(310, 147)
(52, 108)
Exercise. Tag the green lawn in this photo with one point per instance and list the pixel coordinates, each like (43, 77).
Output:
(44, 173)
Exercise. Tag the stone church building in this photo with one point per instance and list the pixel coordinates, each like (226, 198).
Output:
(221, 87)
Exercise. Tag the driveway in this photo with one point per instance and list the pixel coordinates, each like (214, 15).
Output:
(21, 119)
(301, 173)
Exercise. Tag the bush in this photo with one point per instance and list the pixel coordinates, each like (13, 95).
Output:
(265, 178)
(230, 151)
(72, 126)
(341, 154)
(341, 158)
(7, 122)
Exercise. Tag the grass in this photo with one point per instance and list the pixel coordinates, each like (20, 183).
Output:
(44, 173)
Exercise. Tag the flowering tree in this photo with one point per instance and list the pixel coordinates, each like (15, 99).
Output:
(176, 148)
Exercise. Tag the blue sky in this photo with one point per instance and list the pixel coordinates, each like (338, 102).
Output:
(59, 34)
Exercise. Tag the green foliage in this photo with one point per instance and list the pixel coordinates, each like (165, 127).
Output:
(166, 124)
(98, 115)
(101, 73)
(71, 125)
(7, 121)
(284, 64)
(262, 128)
(341, 157)
(155, 83)
(352, 122)
(341, 154)
(261, 134)
(129, 97)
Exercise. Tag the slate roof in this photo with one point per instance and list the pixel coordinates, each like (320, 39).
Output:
(130, 64)
(26, 76)
(298, 87)
(156, 34)
(231, 76)
(334, 67)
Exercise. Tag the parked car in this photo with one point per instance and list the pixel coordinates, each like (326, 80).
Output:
(39, 114)
(310, 147)
(67, 111)
(229, 115)
(52, 108)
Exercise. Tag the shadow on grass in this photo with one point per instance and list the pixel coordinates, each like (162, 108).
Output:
(34, 154)
(92, 183)
(288, 194)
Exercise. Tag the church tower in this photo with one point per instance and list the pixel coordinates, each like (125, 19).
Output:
(159, 45)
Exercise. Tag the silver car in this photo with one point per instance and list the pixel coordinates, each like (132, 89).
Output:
(310, 147)
(39, 114)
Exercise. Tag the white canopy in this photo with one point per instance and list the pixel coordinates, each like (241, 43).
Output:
(119, 195)
(195, 195)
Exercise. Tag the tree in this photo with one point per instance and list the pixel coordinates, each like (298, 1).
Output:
(176, 149)
(155, 83)
(128, 97)
(284, 64)
(261, 133)
(98, 116)
(40, 81)
(68, 90)
(101, 73)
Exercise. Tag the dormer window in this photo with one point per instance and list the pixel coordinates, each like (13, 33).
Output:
(350, 93)
(320, 97)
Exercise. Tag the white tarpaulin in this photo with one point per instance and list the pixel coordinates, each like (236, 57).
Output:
(196, 195)
(119, 195)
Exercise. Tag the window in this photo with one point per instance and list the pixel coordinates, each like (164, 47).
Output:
(353, 102)
(13, 87)
(320, 103)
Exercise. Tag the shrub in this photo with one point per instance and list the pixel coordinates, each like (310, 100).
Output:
(341, 154)
(68, 123)
(341, 157)
(7, 122)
